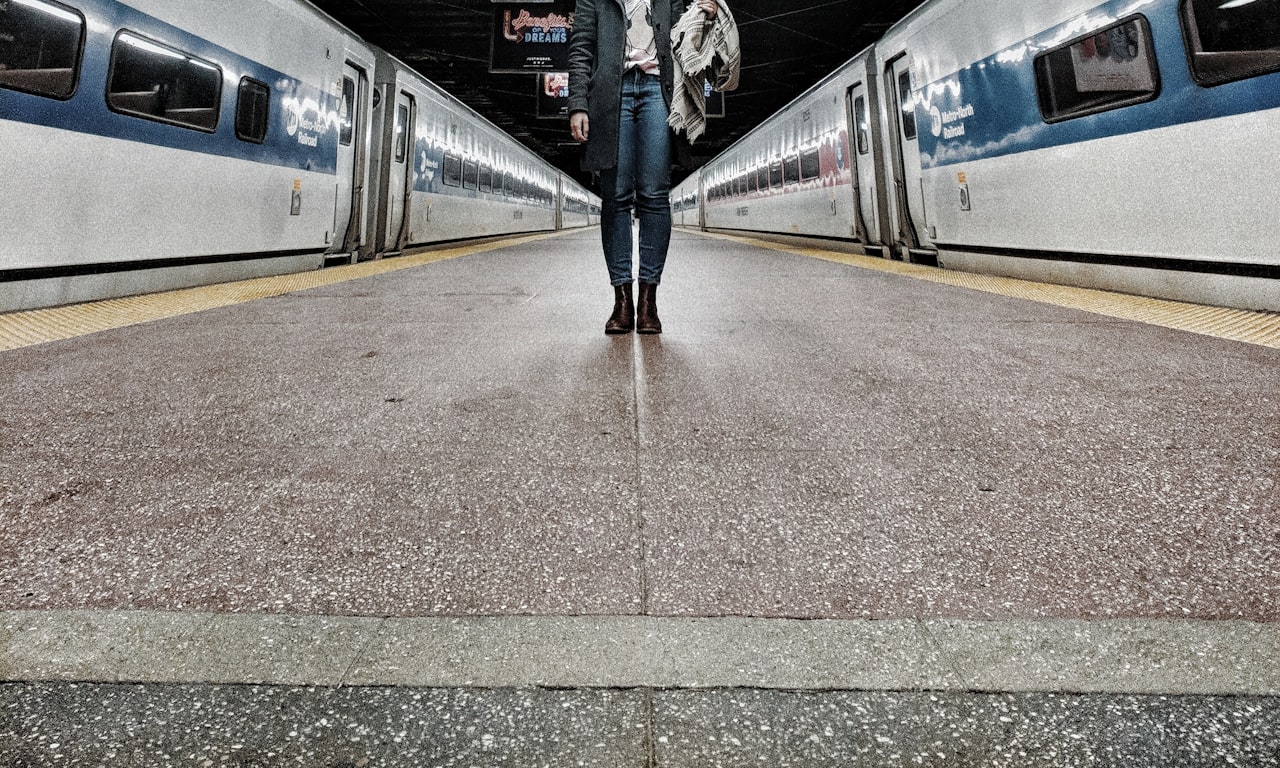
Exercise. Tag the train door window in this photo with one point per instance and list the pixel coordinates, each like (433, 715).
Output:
(40, 47)
(775, 173)
(452, 176)
(486, 179)
(1232, 40)
(1113, 67)
(864, 125)
(402, 132)
(252, 105)
(810, 166)
(152, 80)
(907, 102)
(347, 112)
(791, 169)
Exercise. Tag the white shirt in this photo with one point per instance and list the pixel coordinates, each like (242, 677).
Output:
(642, 48)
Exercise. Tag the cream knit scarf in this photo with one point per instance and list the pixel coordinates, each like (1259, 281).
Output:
(704, 51)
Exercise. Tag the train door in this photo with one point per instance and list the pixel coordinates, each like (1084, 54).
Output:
(908, 192)
(400, 176)
(866, 225)
(349, 192)
(559, 192)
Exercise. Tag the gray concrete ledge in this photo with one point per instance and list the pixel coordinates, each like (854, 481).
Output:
(1108, 656)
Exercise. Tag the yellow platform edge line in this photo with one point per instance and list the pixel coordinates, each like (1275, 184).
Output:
(1243, 325)
(40, 326)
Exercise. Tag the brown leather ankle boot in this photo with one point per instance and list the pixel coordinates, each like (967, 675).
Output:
(647, 309)
(623, 318)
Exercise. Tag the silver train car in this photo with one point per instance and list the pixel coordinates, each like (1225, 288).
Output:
(151, 144)
(1123, 145)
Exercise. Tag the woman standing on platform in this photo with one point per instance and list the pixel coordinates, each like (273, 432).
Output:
(621, 77)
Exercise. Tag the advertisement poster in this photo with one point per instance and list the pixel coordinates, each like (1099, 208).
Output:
(553, 94)
(531, 36)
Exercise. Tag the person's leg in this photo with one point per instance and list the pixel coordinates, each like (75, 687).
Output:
(618, 191)
(653, 200)
(616, 203)
(652, 179)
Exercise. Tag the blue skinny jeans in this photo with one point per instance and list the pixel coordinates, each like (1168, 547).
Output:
(640, 182)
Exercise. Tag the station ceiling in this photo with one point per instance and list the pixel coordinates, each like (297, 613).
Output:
(786, 47)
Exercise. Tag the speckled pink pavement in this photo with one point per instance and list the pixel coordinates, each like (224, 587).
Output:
(804, 440)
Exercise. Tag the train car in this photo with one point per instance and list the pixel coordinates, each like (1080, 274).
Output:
(153, 146)
(1110, 144)
(686, 208)
(1119, 145)
(579, 208)
(446, 173)
(811, 169)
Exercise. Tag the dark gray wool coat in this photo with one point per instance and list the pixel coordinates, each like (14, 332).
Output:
(597, 52)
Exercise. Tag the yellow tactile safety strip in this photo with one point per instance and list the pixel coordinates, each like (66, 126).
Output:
(1261, 328)
(37, 326)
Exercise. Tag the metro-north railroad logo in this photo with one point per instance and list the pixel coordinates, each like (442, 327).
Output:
(943, 122)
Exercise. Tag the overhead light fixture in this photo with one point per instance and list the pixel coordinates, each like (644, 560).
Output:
(1234, 4)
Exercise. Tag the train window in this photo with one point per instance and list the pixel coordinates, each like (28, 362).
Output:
(452, 176)
(864, 125)
(470, 174)
(486, 179)
(252, 105)
(762, 177)
(1113, 67)
(742, 184)
(1232, 40)
(810, 167)
(907, 102)
(152, 80)
(347, 112)
(753, 181)
(40, 47)
(775, 174)
(791, 169)
(402, 132)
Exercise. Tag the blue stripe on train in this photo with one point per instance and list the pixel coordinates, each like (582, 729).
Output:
(994, 102)
(292, 101)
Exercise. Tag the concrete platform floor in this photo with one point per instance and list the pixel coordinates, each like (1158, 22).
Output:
(1026, 486)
